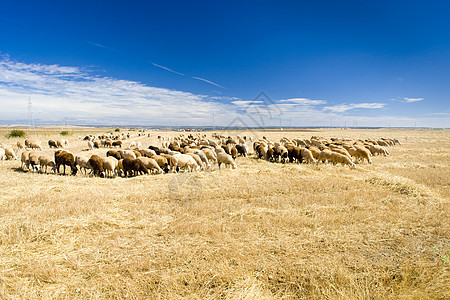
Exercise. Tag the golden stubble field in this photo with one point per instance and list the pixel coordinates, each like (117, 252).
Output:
(261, 231)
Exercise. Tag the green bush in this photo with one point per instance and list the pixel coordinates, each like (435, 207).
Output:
(16, 133)
(117, 130)
(65, 132)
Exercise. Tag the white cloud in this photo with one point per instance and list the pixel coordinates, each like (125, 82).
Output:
(70, 92)
(410, 100)
(340, 108)
(303, 101)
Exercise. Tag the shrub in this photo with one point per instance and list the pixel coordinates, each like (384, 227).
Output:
(16, 133)
(117, 130)
(65, 132)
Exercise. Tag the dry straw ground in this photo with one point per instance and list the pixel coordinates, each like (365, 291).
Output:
(262, 231)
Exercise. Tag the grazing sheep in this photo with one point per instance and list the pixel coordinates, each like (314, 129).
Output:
(185, 161)
(20, 145)
(96, 144)
(150, 164)
(336, 158)
(162, 162)
(242, 150)
(360, 153)
(147, 152)
(9, 153)
(117, 144)
(35, 145)
(65, 158)
(226, 159)
(234, 152)
(83, 162)
(198, 160)
(315, 152)
(324, 156)
(307, 155)
(33, 160)
(90, 145)
(295, 154)
(376, 150)
(96, 163)
(127, 154)
(133, 167)
(24, 159)
(52, 144)
(61, 143)
(47, 161)
(2, 154)
(210, 154)
(114, 153)
(110, 166)
(137, 153)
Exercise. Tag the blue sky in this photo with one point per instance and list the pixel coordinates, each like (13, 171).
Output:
(365, 63)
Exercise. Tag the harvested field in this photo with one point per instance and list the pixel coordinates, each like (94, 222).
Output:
(261, 231)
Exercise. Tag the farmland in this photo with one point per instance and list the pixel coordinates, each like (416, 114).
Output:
(261, 231)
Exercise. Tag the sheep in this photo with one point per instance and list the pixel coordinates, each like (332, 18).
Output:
(47, 161)
(315, 152)
(375, 149)
(133, 167)
(96, 144)
(61, 143)
(110, 166)
(210, 154)
(324, 156)
(127, 154)
(90, 145)
(2, 154)
(242, 150)
(83, 162)
(24, 159)
(147, 152)
(96, 163)
(234, 152)
(336, 158)
(117, 144)
(114, 153)
(133, 144)
(360, 153)
(137, 153)
(52, 144)
(33, 160)
(294, 154)
(198, 160)
(203, 157)
(20, 145)
(307, 155)
(9, 153)
(226, 159)
(35, 145)
(150, 164)
(64, 158)
(185, 161)
(162, 162)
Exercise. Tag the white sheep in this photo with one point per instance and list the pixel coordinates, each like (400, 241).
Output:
(35, 145)
(307, 155)
(90, 145)
(110, 166)
(375, 149)
(150, 164)
(360, 153)
(185, 161)
(47, 161)
(127, 153)
(83, 162)
(338, 158)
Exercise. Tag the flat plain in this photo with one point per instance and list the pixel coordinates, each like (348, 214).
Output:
(261, 231)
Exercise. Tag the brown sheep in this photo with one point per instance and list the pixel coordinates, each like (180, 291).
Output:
(114, 153)
(133, 167)
(65, 158)
(52, 144)
(96, 163)
(117, 144)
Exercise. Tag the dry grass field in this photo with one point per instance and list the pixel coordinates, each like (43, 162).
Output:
(262, 231)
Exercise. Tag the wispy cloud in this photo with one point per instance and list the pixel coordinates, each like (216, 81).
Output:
(340, 108)
(101, 46)
(303, 101)
(208, 81)
(410, 100)
(167, 69)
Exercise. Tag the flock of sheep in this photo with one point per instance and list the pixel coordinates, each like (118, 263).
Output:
(318, 149)
(189, 153)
